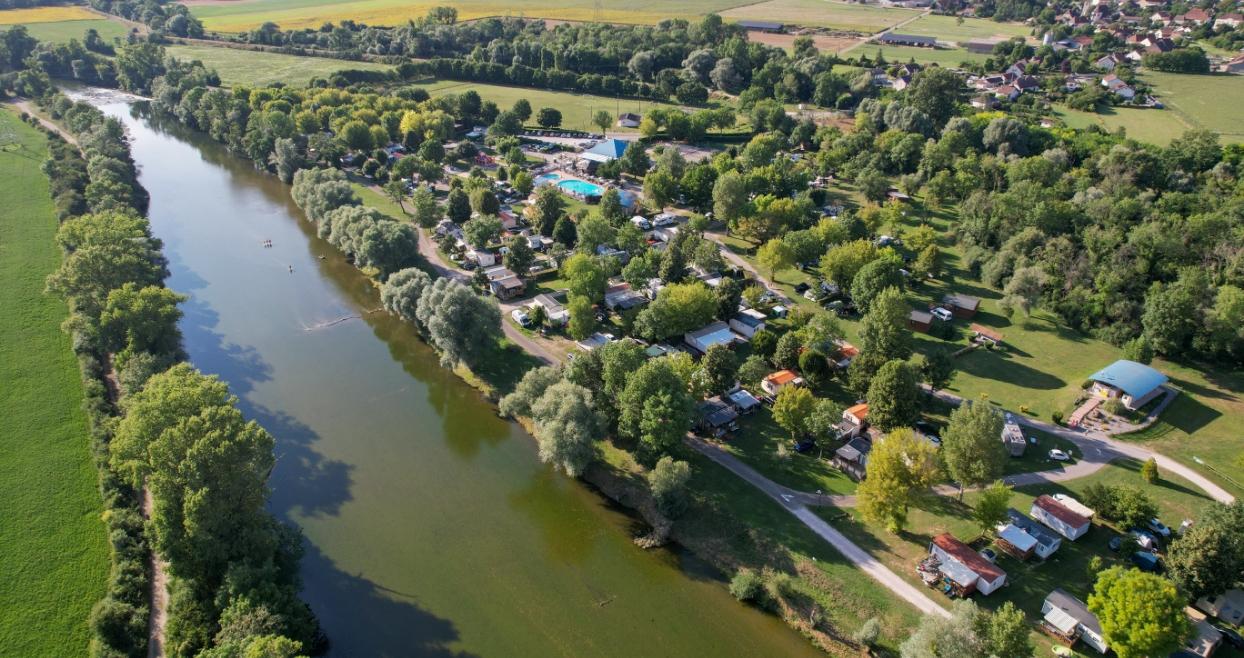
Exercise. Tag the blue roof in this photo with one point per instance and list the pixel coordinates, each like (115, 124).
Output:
(610, 148)
(1135, 379)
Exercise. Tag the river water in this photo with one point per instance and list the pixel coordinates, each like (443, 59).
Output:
(432, 529)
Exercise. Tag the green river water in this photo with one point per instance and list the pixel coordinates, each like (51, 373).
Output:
(432, 529)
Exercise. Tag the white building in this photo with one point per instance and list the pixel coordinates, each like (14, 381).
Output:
(747, 322)
(1059, 518)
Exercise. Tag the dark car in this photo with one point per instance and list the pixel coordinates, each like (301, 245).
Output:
(1233, 638)
(804, 445)
(802, 288)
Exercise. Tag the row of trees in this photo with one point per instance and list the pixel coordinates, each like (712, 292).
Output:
(171, 431)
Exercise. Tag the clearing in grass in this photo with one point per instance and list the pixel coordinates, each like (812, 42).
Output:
(257, 69)
(55, 557)
(1210, 101)
(947, 28)
(827, 13)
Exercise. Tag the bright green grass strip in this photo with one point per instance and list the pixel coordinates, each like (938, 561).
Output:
(53, 548)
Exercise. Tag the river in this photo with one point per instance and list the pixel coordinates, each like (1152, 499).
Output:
(432, 529)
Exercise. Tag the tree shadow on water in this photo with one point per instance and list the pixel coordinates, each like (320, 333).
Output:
(303, 480)
(363, 618)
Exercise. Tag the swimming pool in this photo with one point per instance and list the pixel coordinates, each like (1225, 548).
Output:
(547, 178)
(581, 188)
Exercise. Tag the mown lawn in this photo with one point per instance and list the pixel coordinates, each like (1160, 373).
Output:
(858, 17)
(951, 57)
(257, 69)
(63, 31)
(947, 28)
(1031, 581)
(55, 551)
(1210, 101)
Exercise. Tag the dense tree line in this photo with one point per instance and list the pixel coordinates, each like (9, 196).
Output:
(163, 19)
(27, 64)
(164, 427)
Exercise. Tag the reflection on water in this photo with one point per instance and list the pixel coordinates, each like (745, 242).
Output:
(432, 528)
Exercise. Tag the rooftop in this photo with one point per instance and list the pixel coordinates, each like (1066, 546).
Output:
(1032, 528)
(1132, 378)
(782, 377)
(968, 557)
(1059, 511)
(1075, 608)
(962, 301)
(859, 411)
(761, 25)
(891, 37)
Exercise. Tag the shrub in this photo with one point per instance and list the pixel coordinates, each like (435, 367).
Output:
(1114, 406)
(1057, 417)
(1150, 471)
(868, 633)
(746, 585)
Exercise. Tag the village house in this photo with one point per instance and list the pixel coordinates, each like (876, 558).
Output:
(717, 333)
(962, 306)
(985, 335)
(780, 380)
(964, 569)
(1069, 620)
(717, 417)
(595, 341)
(743, 402)
(1074, 505)
(557, 314)
(1235, 65)
(1045, 542)
(982, 46)
(1108, 63)
(1059, 517)
(622, 298)
(1195, 16)
(1205, 638)
(854, 421)
(628, 120)
(1230, 20)
(852, 458)
(503, 283)
(1133, 383)
(761, 26)
(747, 322)
(920, 321)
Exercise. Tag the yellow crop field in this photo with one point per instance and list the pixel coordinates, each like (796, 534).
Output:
(45, 15)
(389, 16)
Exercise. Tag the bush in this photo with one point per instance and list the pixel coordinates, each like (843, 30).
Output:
(668, 482)
(1057, 417)
(1114, 406)
(746, 585)
(868, 633)
(1150, 471)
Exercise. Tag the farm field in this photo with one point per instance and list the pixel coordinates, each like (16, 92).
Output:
(828, 13)
(63, 31)
(232, 17)
(942, 56)
(1210, 101)
(1143, 124)
(45, 15)
(252, 68)
(945, 28)
(55, 557)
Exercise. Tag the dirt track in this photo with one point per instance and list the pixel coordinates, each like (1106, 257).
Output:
(824, 43)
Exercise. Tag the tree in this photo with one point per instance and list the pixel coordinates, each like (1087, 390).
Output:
(991, 507)
(764, 343)
(660, 188)
(814, 366)
(287, 159)
(1131, 507)
(566, 232)
(792, 409)
(947, 637)
(668, 483)
(432, 151)
(872, 279)
(549, 117)
(720, 369)
(938, 368)
(548, 209)
(1024, 289)
(461, 324)
(935, 91)
(458, 207)
(1139, 350)
(972, 445)
(824, 423)
(1149, 472)
(602, 119)
(730, 197)
(929, 262)
(426, 212)
(1006, 135)
(529, 389)
(483, 230)
(484, 202)
(844, 261)
(1141, 614)
(567, 427)
(141, 320)
(401, 292)
(1005, 632)
(753, 370)
(585, 278)
(519, 255)
(356, 135)
(678, 308)
(522, 109)
(582, 322)
(786, 354)
(775, 256)
(655, 409)
(900, 468)
(634, 159)
(728, 293)
(872, 184)
(893, 397)
(1205, 561)
(868, 633)
(507, 124)
(884, 330)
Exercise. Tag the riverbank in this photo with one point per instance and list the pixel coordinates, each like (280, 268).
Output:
(55, 556)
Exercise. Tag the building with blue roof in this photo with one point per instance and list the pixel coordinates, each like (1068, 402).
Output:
(1133, 383)
(606, 151)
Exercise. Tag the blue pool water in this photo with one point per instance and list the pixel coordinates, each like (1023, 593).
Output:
(546, 178)
(580, 187)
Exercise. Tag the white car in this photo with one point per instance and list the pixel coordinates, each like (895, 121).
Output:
(942, 314)
(1059, 455)
(1157, 526)
(520, 317)
(665, 219)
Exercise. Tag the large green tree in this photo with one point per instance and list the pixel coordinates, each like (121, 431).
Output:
(972, 445)
(901, 468)
(894, 397)
(1141, 614)
(884, 330)
(567, 427)
(656, 411)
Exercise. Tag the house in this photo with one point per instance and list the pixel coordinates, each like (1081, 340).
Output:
(557, 314)
(1027, 83)
(482, 257)
(1075, 505)
(1015, 542)
(1046, 542)
(622, 297)
(1231, 20)
(594, 341)
(1108, 62)
(983, 46)
(1228, 606)
(891, 38)
(1067, 619)
(854, 421)
(761, 26)
(852, 458)
(844, 353)
(985, 335)
(963, 568)
(1013, 437)
(1205, 638)
(717, 417)
(509, 221)
(1196, 16)
(1133, 383)
(984, 102)
(920, 321)
(901, 82)
(628, 120)
(1236, 65)
(717, 333)
(743, 402)
(606, 151)
(503, 283)
(747, 322)
(1113, 82)
(962, 306)
(780, 380)
(1059, 517)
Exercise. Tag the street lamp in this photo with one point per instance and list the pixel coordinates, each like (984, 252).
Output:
(819, 497)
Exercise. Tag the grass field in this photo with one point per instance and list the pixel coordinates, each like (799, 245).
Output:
(1210, 101)
(63, 31)
(828, 13)
(45, 15)
(55, 556)
(946, 28)
(1144, 124)
(234, 17)
(942, 56)
(251, 68)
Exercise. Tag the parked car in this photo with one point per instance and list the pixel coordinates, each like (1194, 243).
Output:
(520, 317)
(1059, 455)
(937, 442)
(802, 288)
(804, 445)
(1233, 638)
(1154, 525)
(989, 554)
(942, 314)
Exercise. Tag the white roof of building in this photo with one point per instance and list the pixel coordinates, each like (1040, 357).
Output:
(1018, 538)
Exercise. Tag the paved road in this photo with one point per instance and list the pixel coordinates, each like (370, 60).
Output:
(797, 503)
(738, 260)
